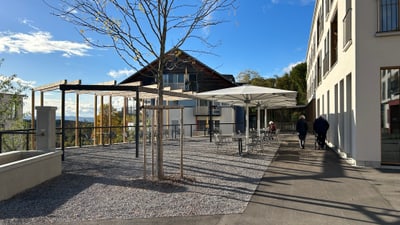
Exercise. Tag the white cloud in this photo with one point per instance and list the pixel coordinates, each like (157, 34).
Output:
(120, 73)
(290, 66)
(39, 42)
(29, 23)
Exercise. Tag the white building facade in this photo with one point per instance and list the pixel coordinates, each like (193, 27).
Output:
(353, 63)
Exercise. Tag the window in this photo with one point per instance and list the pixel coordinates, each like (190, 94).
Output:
(334, 40)
(175, 81)
(389, 15)
(327, 7)
(390, 115)
(320, 26)
(347, 24)
(318, 69)
(326, 55)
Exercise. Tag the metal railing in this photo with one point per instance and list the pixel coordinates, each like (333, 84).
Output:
(11, 140)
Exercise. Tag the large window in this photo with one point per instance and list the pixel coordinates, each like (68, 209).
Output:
(390, 115)
(175, 81)
(334, 40)
(389, 15)
(347, 24)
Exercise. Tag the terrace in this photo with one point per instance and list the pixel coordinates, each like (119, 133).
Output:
(103, 182)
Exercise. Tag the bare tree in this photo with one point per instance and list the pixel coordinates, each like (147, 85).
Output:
(138, 30)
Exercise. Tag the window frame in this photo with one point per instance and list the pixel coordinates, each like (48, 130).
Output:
(391, 28)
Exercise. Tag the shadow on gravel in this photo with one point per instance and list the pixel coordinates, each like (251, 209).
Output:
(43, 199)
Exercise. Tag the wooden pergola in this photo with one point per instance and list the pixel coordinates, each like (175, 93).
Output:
(129, 90)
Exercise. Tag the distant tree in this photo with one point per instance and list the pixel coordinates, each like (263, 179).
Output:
(11, 97)
(294, 80)
(139, 31)
(284, 82)
(247, 76)
(116, 120)
(11, 114)
(298, 79)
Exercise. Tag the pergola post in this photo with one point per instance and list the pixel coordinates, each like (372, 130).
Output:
(62, 123)
(77, 131)
(94, 132)
(33, 118)
(137, 123)
(110, 120)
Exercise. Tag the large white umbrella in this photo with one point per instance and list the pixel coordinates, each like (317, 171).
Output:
(250, 95)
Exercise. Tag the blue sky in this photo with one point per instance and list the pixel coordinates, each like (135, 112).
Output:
(267, 36)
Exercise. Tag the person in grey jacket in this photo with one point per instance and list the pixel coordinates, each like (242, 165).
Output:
(302, 129)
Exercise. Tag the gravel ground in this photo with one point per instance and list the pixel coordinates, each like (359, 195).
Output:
(106, 182)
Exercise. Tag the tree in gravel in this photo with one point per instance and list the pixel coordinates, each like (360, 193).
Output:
(11, 114)
(139, 30)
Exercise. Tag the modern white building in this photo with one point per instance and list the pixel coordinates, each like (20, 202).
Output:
(353, 77)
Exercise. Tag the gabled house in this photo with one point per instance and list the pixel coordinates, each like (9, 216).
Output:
(183, 71)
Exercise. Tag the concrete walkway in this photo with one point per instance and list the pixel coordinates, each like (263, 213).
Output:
(315, 187)
(307, 186)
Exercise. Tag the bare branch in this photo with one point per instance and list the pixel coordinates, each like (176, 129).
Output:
(138, 31)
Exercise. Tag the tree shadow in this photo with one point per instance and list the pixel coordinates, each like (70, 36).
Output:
(320, 169)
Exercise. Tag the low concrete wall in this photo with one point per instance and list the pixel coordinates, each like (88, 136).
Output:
(21, 170)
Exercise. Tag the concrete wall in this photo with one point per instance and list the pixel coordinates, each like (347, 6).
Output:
(374, 51)
(27, 171)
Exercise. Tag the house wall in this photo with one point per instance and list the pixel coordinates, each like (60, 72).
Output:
(349, 93)
(374, 51)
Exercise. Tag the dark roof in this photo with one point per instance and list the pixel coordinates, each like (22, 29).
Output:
(177, 62)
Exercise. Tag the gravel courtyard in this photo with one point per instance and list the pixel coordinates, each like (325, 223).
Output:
(105, 182)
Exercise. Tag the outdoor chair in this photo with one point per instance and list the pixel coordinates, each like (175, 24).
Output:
(255, 141)
(217, 141)
(222, 140)
(275, 137)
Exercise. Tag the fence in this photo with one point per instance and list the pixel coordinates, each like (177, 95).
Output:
(11, 140)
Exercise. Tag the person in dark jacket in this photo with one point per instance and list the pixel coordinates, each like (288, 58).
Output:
(321, 126)
(302, 129)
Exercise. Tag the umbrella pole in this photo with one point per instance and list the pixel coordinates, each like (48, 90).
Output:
(258, 121)
(247, 127)
(265, 118)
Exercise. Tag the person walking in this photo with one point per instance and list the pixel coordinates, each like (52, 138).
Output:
(321, 126)
(302, 129)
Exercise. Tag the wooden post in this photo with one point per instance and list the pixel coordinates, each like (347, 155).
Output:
(152, 141)
(33, 144)
(124, 119)
(181, 142)
(101, 119)
(144, 142)
(109, 120)
(77, 137)
(95, 121)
